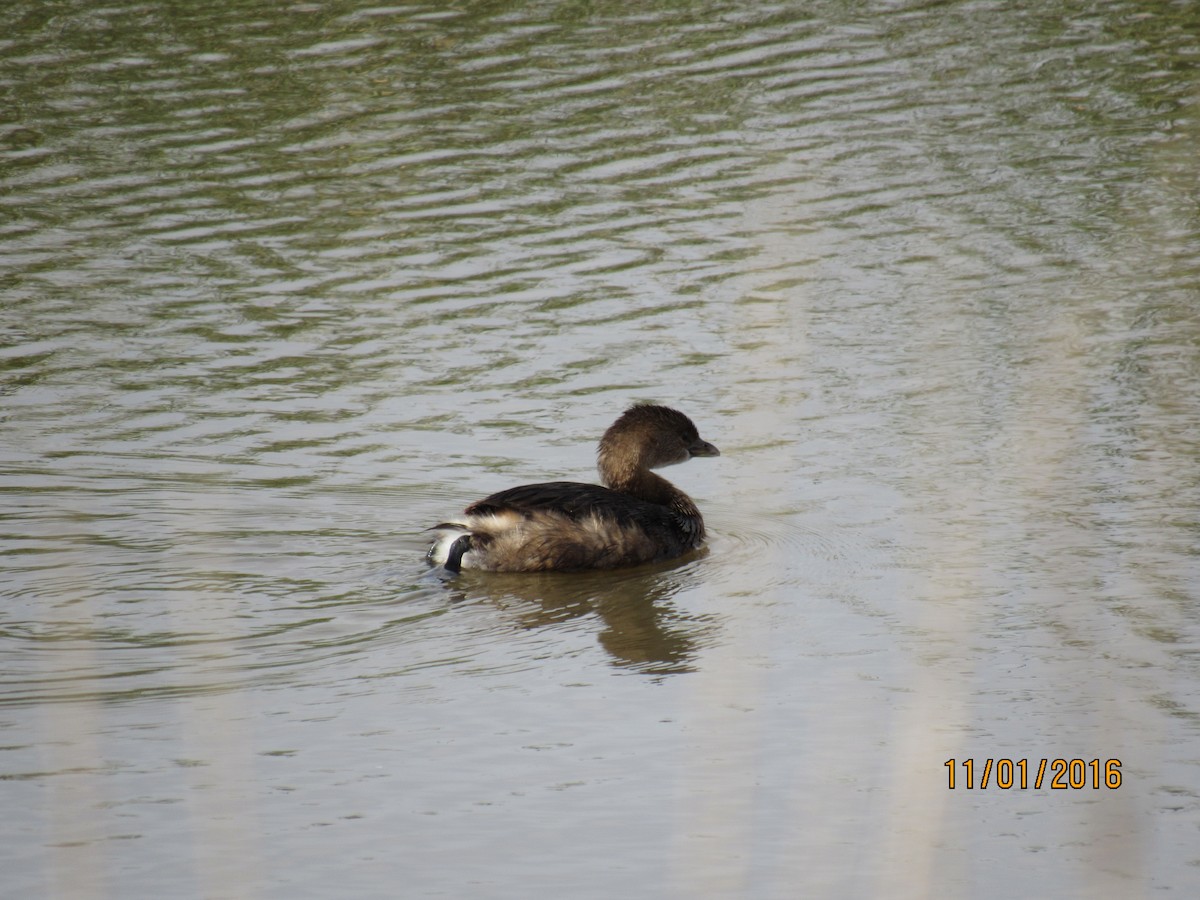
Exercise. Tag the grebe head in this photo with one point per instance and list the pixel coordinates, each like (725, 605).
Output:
(649, 437)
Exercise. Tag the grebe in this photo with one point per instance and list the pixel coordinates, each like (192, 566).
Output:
(635, 518)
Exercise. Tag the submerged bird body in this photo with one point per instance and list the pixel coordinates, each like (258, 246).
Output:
(636, 517)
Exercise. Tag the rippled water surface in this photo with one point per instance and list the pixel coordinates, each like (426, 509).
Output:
(283, 284)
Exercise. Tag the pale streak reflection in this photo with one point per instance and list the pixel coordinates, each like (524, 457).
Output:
(719, 785)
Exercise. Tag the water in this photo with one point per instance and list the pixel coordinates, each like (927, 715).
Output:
(282, 285)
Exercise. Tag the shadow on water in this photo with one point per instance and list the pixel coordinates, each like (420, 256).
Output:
(641, 626)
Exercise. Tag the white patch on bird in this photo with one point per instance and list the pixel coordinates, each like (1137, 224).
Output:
(439, 550)
(493, 523)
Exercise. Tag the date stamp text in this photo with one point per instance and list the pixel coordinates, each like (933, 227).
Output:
(1022, 774)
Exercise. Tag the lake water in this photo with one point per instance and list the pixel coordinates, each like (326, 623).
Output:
(283, 284)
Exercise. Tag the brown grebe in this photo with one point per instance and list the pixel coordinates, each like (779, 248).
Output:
(635, 518)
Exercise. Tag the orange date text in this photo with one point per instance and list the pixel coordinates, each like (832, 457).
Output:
(1023, 774)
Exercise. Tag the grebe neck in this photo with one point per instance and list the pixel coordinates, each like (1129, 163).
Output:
(645, 485)
(641, 483)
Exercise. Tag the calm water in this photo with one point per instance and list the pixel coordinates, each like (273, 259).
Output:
(283, 284)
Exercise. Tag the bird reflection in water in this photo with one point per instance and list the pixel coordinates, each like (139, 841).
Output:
(642, 627)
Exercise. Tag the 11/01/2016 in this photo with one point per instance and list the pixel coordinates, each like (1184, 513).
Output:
(1074, 774)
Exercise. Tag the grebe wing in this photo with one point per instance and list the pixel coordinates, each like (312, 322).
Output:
(573, 499)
